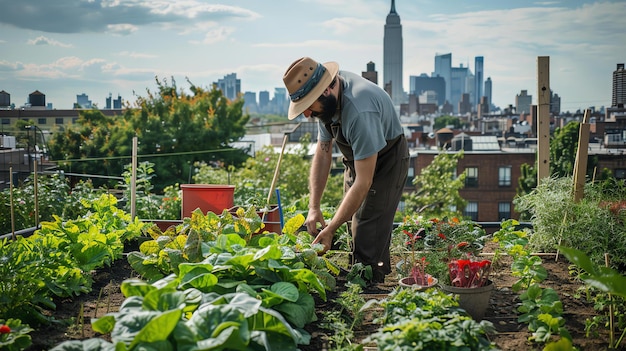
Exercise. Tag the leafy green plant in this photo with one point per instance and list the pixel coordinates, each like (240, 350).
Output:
(429, 320)
(14, 336)
(605, 279)
(437, 188)
(610, 308)
(446, 244)
(160, 316)
(559, 220)
(359, 274)
(30, 274)
(56, 259)
(206, 235)
(162, 254)
(55, 197)
(541, 308)
(514, 242)
(341, 322)
(95, 240)
(223, 288)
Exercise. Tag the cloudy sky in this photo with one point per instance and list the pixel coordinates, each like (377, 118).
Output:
(100, 47)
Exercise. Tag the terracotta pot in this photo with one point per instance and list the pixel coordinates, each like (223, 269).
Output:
(473, 300)
(408, 282)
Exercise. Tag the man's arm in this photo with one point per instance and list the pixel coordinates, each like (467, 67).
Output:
(352, 200)
(320, 168)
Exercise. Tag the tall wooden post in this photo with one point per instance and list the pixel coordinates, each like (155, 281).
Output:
(543, 118)
(133, 180)
(580, 164)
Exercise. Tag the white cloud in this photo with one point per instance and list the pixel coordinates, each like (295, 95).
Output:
(121, 29)
(6, 66)
(136, 55)
(41, 40)
(216, 35)
(122, 16)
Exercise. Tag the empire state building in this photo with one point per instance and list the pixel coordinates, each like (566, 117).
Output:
(392, 55)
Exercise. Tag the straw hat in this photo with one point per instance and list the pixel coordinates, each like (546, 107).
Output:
(306, 80)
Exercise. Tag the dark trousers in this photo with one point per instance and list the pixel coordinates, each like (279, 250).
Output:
(372, 224)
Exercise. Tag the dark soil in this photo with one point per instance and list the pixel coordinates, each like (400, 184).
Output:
(74, 315)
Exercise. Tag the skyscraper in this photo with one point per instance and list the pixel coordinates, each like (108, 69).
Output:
(478, 79)
(619, 86)
(443, 68)
(458, 85)
(424, 83)
(230, 86)
(488, 91)
(523, 101)
(392, 55)
(83, 101)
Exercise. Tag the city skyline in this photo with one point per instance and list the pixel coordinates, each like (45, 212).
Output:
(64, 49)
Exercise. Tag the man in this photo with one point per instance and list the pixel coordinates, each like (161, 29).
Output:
(360, 117)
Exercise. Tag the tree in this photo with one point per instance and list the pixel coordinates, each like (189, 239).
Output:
(563, 148)
(443, 121)
(437, 189)
(95, 144)
(174, 129)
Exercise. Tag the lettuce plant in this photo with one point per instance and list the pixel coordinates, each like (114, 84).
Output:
(55, 259)
(213, 285)
(429, 320)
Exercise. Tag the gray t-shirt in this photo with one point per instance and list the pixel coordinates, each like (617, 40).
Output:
(368, 117)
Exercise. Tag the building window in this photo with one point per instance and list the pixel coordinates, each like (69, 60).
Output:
(504, 176)
(471, 210)
(620, 173)
(614, 138)
(42, 121)
(58, 120)
(504, 210)
(471, 177)
(410, 176)
(6, 121)
(74, 120)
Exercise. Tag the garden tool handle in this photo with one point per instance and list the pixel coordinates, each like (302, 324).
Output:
(276, 171)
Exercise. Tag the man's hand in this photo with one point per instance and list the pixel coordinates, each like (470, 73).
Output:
(314, 217)
(325, 237)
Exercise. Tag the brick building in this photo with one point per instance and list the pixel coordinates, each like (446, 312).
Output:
(492, 177)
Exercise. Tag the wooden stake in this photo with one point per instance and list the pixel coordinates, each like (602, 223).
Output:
(580, 165)
(275, 179)
(11, 203)
(543, 117)
(611, 316)
(36, 192)
(580, 168)
(133, 181)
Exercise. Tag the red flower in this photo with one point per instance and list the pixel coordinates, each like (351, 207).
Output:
(4, 329)
(462, 244)
(469, 273)
(442, 236)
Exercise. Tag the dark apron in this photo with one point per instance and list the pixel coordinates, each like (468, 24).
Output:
(372, 224)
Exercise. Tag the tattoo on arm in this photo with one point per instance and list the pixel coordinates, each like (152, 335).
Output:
(325, 145)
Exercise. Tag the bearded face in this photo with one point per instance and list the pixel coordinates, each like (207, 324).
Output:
(329, 108)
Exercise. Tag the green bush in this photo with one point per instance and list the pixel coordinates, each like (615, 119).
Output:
(593, 225)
